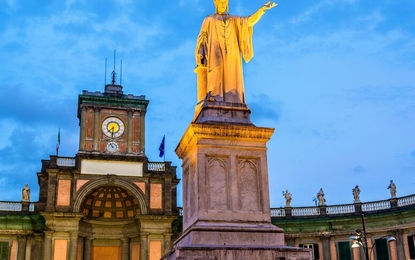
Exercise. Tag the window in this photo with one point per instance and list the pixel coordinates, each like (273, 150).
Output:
(314, 251)
(344, 251)
(4, 250)
(411, 246)
(381, 248)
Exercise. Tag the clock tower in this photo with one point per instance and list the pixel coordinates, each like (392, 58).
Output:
(111, 122)
(109, 201)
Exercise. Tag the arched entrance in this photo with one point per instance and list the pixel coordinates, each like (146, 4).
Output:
(110, 228)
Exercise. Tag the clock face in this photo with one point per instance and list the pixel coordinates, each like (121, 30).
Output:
(113, 127)
(112, 147)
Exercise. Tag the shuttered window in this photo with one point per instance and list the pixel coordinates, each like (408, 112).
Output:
(344, 251)
(411, 246)
(381, 246)
(4, 250)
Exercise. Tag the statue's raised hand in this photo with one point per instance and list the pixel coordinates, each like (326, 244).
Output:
(270, 4)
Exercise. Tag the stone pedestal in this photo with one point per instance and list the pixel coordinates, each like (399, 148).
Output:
(226, 210)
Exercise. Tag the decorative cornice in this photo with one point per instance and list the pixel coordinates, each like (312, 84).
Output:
(114, 101)
(222, 131)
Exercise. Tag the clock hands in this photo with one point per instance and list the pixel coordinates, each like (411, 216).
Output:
(112, 132)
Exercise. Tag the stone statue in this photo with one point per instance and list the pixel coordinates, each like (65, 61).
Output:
(392, 188)
(26, 193)
(320, 197)
(223, 41)
(288, 198)
(356, 193)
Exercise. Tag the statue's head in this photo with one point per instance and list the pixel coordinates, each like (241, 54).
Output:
(221, 6)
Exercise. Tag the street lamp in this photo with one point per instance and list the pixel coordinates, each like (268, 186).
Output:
(359, 239)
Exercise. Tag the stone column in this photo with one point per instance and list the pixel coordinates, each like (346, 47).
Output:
(167, 243)
(37, 246)
(142, 130)
(97, 128)
(143, 246)
(130, 130)
(83, 128)
(325, 242)
(125, 255)
(52, 183)
(73, 245)
(87, 248)
(167, 195)
(47, 252)
(21, 248)
(400, 243)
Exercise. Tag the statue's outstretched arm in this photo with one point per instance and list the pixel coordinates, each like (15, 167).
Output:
(253, 19)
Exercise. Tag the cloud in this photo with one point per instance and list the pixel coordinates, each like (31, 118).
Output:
(358, 169)
(264, 108)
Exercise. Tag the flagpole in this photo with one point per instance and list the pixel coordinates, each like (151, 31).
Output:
(59, 142)
(164, 155)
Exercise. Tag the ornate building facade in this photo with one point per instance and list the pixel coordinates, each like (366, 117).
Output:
(107, 202)
(110, 202)
(379, 230)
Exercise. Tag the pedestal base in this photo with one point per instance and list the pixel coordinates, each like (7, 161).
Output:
(210, 111)
(239, 253)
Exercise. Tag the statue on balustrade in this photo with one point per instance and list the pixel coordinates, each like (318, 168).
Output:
(26, 193)
(320, 198)
(223, 41)
(392, 188)
(356, 193)
(288, 198)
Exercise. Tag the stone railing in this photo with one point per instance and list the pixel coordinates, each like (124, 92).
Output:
(157, 166)
(70, 162)
(278, 212)
(65, 161)
(304, 211)
(406, 201)
(17, 206)
(376, 205)
(340, 209)
(356, 208)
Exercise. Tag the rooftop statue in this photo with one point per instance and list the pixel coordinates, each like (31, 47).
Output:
(26, 193)
(356, 193)
(288, 198)
(392, 188)
(320, 197)
(223, 41)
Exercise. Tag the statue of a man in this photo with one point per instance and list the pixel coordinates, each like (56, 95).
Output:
(320, 197)
(392, 188)
(26, 193)
(288, 198)
(356, 193)
(223, 41)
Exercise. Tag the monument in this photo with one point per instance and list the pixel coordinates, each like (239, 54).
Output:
(226, 209)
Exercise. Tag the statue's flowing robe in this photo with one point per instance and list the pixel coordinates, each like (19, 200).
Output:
(223, 44)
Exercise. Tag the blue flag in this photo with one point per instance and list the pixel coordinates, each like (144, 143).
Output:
(161, 148)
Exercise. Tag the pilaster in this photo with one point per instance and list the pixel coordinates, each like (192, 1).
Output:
(125, 254)
(144, 245)
(73, 245)
(21, 247)
(47, 251)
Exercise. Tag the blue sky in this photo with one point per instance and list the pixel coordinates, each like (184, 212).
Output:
(335, 78)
